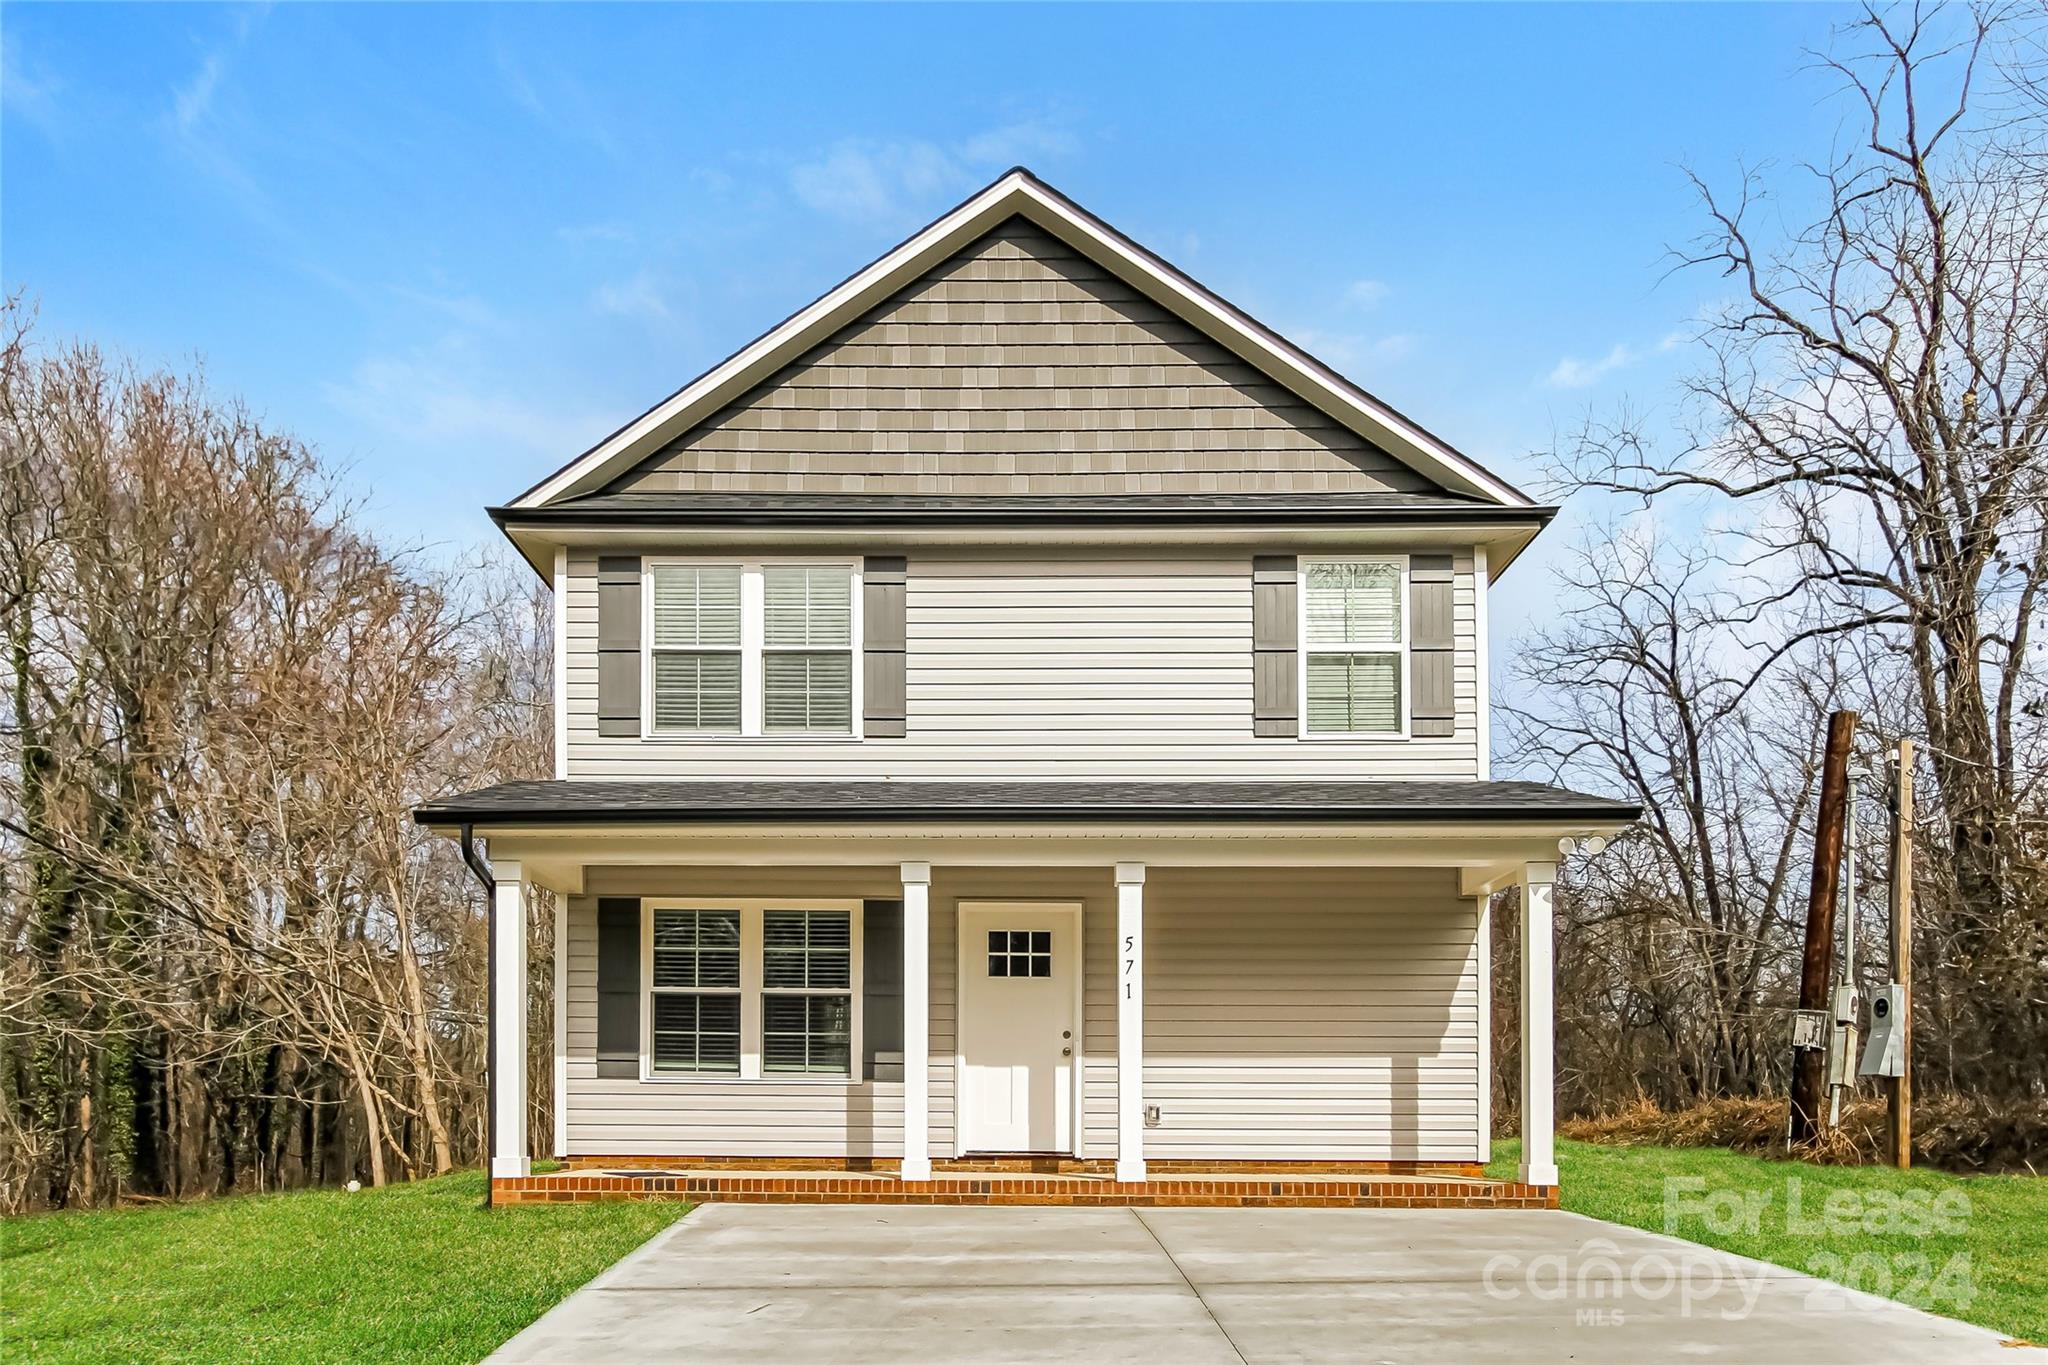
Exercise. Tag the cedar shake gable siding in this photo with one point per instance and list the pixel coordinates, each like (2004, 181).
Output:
(1020, 367)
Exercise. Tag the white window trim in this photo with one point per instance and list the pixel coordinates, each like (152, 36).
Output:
(1402, 604)
(751, 990)
(753, 632)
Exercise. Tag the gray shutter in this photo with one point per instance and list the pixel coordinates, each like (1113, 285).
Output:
(618, 645)
(618, 986)
(883, 683)
(1432, 710)
(1276, 644)
(881, 969)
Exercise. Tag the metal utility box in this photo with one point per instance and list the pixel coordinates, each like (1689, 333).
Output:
(1810, 1029)
(1885, 1053)
(1842, 1038)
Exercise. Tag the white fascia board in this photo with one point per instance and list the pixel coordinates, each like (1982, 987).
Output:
(1020, 193)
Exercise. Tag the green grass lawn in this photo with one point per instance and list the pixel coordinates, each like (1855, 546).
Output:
(413, 1272)
(2003, 1236)
(420, 1272)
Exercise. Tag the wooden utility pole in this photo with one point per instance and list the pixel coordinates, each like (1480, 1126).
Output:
(1809, 1065)
(1901, 1125)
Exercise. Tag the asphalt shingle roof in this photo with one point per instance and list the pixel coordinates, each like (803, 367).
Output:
(626, 802)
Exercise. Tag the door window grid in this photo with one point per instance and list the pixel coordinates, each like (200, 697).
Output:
(1020, 952)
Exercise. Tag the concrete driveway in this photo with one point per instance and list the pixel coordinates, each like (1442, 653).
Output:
(829, 1283)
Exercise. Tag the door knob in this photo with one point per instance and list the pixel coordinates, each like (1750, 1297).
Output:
(1066, 1052)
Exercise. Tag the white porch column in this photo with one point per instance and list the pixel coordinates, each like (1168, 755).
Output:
(561, 1022)
(1482, 951)
(917, 1046)
(1539, 1151)
(1130, 1021)
(508, 1017)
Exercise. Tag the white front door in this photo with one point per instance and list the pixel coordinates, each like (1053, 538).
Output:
(1019, 1025)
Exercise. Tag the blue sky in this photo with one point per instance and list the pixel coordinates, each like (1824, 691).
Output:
(451, 246)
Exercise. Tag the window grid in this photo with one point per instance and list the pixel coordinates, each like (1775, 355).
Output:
(807, 648)
(761, 648)
(1020, 952)
(696, 655)
(1354, 647)
(807, 992)
(694, 1013)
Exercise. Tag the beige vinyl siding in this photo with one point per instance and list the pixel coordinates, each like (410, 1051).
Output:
(1048, 666)
(1290, 1015)
(1325, 1014)
(1019, 366)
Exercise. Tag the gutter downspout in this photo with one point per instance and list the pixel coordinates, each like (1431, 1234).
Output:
(490, 885)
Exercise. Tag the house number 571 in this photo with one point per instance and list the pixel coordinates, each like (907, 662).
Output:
(1130, 962)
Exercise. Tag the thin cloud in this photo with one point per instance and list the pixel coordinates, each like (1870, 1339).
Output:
(872, 181)
(193, 101)
(1366, 294)
(204, 128)
(554, 99)
(27, 90)
(1573, 373)
(1351, 352)
(639, 297)
(864, 180)
(583, 234)
(439, 397)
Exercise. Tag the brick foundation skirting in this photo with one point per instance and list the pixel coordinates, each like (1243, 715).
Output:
(1022, 1165)
(733, 1163)
(581, 1187)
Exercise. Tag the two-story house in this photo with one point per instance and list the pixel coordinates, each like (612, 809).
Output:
(1021, 717)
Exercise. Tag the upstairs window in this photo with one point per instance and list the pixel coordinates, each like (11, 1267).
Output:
(1354, 646)
(807, 648)
(696, 647)
(751, 648)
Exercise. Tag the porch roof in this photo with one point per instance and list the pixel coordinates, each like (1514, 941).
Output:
(560, 802)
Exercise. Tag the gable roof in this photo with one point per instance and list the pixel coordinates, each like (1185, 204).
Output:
(1018, 193)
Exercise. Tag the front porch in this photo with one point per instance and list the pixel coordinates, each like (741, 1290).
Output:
(1137, 1012)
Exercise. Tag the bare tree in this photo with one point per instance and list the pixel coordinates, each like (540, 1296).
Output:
(1675, 942)
(1872, 417)
(233, 961)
